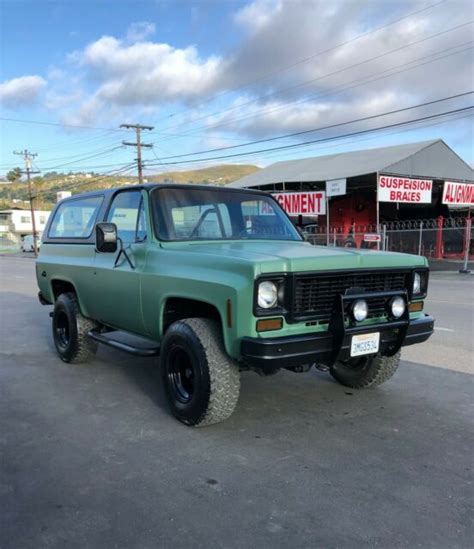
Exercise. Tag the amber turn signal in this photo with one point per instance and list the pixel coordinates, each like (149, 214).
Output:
(268, 324)
(416, 306)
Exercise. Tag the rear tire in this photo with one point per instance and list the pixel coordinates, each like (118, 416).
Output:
(366, 371)
(70, 331)
(202, 383)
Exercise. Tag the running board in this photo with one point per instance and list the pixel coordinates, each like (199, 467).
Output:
(133, 350)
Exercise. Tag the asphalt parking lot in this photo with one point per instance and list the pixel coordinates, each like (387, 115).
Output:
(90, 456)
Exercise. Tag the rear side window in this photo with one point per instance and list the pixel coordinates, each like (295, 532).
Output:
(75, 218)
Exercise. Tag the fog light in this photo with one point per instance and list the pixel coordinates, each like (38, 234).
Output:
(397, 307)
(360, 310)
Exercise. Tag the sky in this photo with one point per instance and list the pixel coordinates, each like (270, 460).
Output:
(214, 75)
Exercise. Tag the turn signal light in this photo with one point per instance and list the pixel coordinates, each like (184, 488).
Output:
(416, 307)
(268, 324)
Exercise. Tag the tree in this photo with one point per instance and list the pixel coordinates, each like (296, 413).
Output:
(14, 175)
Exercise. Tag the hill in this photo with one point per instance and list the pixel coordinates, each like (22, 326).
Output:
(218, 175)
(45, 189)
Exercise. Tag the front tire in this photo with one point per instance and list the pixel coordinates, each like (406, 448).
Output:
(202, 383)
(365, 372)
(70, 331)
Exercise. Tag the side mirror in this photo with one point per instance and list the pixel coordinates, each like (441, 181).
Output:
(106, 238)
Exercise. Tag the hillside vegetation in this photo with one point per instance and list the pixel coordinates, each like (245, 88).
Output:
(45, 188)
(217, 175)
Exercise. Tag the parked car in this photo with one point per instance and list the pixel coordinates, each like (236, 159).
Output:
(216, 281)
(27, 243)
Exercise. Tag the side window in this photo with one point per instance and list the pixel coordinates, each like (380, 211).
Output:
(75, 218)
(124, 212)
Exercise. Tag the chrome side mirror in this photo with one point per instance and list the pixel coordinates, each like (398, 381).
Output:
(106, 238)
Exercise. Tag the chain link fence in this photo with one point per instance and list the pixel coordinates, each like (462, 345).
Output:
(442, 238)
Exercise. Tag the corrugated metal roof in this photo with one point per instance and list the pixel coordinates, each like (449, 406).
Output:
(432, 159)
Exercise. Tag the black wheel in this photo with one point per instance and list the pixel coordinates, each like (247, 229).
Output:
(363, 372)
(70, 331)
(202, 383)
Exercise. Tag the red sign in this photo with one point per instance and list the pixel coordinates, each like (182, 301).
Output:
(372, 237)
(403, 189)
(458, 194)
(302, 203)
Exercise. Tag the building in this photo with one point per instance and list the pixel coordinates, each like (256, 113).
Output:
(61, 195)
(380, 185)
(16, 223)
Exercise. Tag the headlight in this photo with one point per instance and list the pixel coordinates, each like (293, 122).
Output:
(417, 283)
(267, 294)
(397, 307)
(360, 310)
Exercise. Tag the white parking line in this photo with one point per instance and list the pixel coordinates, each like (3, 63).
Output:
(443, 329)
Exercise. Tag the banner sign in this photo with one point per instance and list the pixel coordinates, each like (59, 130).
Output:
(336, 187)
(403, 189)
(458, 194)
(302, 203)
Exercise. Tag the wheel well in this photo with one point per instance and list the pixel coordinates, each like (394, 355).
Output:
(178, 308)
(61, 287)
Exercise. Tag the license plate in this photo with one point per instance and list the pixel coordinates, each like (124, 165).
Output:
(365, 344)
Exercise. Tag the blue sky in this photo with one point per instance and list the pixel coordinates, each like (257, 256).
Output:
(213, 74)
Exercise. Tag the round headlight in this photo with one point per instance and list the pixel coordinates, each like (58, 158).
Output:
(397, 307)
(360, 310)
(267, 294)
(417, 283)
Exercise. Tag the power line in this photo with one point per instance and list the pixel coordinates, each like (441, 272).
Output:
(312, 130)
(116, 171)
(356, 83)
(289, 147)
(296, 145)
(311, 81)
(80, 156)
(416, 126)
(57, 124)
(309, 58)
(103, 153)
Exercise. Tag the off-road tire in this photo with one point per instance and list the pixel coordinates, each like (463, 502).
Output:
(213, 384)
(371, 372)
(70, 329)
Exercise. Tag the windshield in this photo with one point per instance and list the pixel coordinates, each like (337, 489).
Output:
(208, 214)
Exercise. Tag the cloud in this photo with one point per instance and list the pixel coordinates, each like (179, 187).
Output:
(299, 61)
(137, 32)
(21, 91)
(256, 15)
(296, 65)
(146, 73)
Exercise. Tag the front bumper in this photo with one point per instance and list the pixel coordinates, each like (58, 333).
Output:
(269, 354)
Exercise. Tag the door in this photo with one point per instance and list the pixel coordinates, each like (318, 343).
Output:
(118, 279)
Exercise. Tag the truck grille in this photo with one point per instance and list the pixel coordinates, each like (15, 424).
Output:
(314, 296)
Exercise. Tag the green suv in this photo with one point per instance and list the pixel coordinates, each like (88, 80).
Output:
(216, 281)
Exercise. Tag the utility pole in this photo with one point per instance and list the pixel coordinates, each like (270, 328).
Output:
(138, 144)
(27, 157)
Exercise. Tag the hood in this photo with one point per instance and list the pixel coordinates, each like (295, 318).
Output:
(293, 256)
